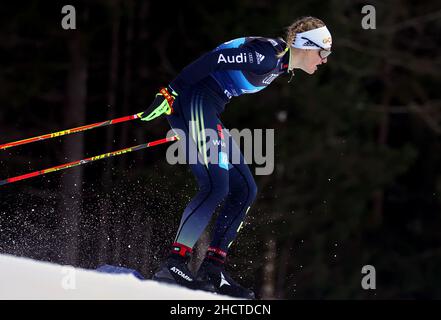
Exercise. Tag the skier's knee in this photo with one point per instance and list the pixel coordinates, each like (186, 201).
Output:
(221, 191)
(218, 191)
(244, 193)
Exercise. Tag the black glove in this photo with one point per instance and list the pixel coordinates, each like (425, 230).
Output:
(163, 103)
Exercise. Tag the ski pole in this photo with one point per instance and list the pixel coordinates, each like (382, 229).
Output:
(87, 160)
(68, 131)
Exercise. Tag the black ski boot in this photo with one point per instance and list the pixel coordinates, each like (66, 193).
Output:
(212, 271)
(175, 271)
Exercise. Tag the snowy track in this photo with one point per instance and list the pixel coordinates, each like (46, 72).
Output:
(22, 278)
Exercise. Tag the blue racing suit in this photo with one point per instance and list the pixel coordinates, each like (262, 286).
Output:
(236, 67)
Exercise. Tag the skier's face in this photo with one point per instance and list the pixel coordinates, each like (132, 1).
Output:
(311, 60)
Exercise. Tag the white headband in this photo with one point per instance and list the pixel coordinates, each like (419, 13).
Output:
(320, 36)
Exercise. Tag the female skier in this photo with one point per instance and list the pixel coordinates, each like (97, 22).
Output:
(192, 103)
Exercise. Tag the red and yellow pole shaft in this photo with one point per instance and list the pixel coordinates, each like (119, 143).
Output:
(87, 160)
(68, 131)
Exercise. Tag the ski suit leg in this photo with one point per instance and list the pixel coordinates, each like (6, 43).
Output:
(194, 114)
(242, 193)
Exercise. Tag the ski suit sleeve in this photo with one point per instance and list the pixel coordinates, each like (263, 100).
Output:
(258, 57)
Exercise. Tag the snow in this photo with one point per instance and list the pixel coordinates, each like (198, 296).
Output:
(26, 279)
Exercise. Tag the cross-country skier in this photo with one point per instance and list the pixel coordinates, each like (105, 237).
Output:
(192, 103)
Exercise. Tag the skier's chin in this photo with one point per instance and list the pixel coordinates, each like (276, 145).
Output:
(311, 70)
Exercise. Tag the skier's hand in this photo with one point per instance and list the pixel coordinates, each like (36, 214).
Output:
(163, 103)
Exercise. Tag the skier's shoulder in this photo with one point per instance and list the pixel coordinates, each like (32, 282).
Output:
(266, 49)
(260, 52)
(268, 45)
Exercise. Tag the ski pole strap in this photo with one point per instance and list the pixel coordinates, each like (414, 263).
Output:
(87, 160)
(68, 131)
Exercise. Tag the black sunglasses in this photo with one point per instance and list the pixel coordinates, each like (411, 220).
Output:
(323, 53)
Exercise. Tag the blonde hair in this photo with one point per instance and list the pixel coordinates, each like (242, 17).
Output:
(302, 24)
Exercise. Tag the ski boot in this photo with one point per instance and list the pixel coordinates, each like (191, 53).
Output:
(175, 270)
(212, 271)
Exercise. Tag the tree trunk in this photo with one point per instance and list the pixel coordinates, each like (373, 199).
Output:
(125, 108)
(282, 270)
(145, 255)
(106, 205)
(383, 129)
(73, 148)
(269, 277)
(127, 75)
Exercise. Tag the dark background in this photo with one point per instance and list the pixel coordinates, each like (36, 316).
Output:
(357, 175)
